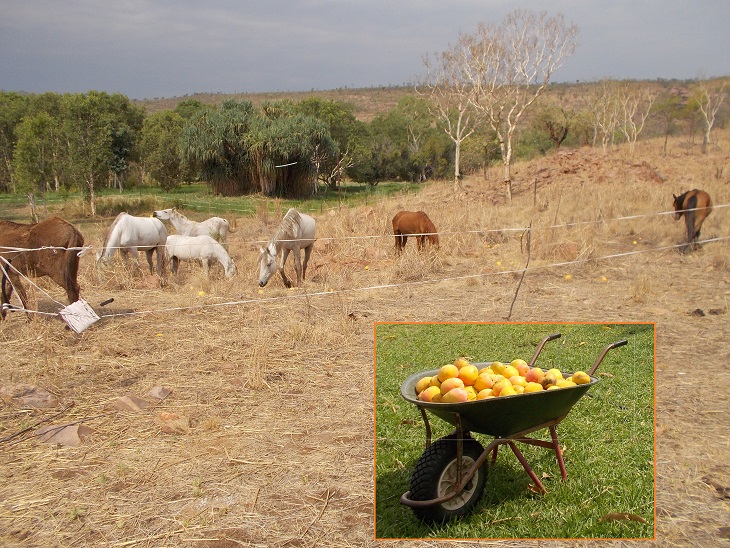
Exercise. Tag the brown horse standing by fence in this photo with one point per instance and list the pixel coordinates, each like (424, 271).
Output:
(415, 223)
(60, 263)
(695, 205)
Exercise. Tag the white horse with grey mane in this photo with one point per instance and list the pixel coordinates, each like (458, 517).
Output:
(198, 248)
(295, 232)
(215, 227)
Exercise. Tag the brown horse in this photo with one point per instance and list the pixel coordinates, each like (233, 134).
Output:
(61, 263)
(415, 223)
(695, 205)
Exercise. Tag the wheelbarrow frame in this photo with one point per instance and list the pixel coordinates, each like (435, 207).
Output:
(563, 401)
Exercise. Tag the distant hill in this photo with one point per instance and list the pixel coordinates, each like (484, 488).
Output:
(368, 102)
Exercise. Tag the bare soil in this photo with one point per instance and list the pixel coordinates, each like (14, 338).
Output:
(273, 388)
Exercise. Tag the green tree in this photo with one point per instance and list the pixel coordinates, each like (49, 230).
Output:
(90, 124)
(215, 140)
(34, 161)
(190, 107)
(343, 127)
(160, 147)
(668, 109)
(242, 150)
(400, 136)
(13, 107)
(555, 120)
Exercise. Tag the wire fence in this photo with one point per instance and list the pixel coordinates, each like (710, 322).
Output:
(5, 265)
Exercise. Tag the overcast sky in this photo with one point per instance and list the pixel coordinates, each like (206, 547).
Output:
(147, 49)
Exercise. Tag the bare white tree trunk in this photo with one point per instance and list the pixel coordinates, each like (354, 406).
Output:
(634, 118)
(510, 66)
(449, 92)
(709, 102)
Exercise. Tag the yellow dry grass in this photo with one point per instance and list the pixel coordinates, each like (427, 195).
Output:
(276, 385)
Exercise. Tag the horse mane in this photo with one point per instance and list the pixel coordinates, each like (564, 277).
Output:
(285, 230)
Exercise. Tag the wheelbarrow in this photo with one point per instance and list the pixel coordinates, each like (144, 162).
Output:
(449, 477)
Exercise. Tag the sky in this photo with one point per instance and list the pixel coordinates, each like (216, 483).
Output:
(172, 48)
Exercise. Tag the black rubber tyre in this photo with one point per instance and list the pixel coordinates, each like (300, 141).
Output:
(435, 476)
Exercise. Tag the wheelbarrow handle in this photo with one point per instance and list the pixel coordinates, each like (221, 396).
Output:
(605, 351)
(539, 347)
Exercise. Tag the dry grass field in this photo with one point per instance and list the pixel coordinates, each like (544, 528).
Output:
(266, 436)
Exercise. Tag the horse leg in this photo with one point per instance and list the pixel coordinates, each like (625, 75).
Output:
(307, 253)
(175, 263)
(15, 283)
(148, 254)
(420, 241)
(282, 262)
(298, 265)
(7, 291)
(689, 219)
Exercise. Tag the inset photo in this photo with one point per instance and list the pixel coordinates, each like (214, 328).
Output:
(515, 431)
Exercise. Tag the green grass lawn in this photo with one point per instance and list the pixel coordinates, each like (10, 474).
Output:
(608, 436)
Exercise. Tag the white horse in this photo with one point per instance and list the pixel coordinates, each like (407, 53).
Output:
(198, 248)
(130, 235)
(215, 227)
(296, 231)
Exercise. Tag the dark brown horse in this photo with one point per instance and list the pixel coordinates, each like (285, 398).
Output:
(415, 223)
(695, 205)
(61, 263)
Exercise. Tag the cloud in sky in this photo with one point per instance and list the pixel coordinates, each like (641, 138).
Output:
(148, 48)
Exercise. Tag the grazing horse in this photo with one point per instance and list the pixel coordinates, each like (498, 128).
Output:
(695, 205)
(129, 234)
(296, 231)
(198, 248)
(414, 223)
(60, 262)
(215, 227)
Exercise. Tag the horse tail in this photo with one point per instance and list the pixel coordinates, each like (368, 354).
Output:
(108, 235)
(690, 205)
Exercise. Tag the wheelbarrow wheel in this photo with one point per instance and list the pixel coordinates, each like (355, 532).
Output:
(435, 476)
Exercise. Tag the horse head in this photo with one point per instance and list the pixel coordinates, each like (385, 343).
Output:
(163, 214)
(267, 263)
(678, 206)
(230, 268)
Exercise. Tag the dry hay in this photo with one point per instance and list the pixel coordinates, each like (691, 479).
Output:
(275, 386)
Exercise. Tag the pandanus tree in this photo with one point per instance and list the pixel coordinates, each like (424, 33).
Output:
(241, 150)
(214, 140)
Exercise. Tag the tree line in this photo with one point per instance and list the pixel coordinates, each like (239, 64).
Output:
(487, 99)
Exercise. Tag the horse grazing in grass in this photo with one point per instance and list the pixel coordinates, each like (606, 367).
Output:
(695, 205)
(295, 232)
(130, 234)
(215, 227)
(415, 223)
(198, 248)
(60, 261)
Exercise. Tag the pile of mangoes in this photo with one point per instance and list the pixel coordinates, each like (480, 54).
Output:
(461, 381)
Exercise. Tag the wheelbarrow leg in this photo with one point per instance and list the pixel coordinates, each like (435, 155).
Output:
(558, 452)
(526, 466)
(494, 455)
